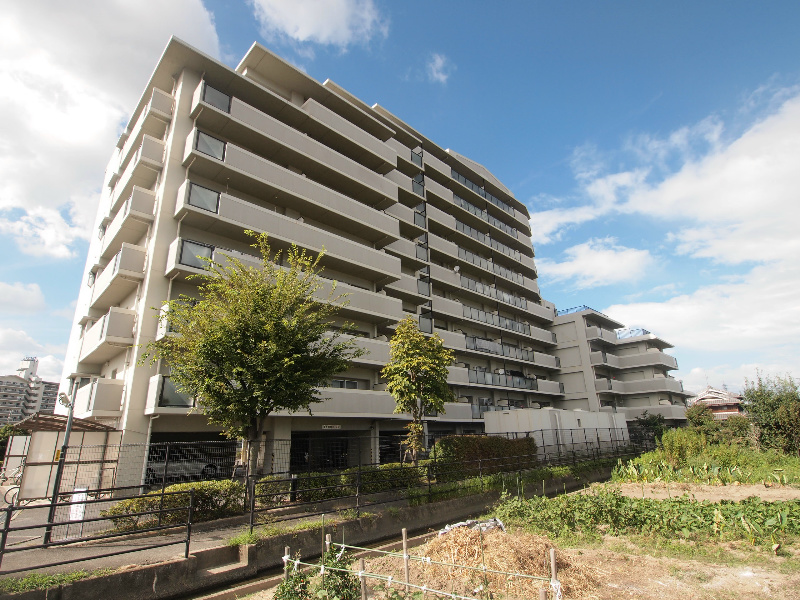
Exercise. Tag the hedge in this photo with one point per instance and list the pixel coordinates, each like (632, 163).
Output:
(383, 478)
(212, 500)
(464, 456)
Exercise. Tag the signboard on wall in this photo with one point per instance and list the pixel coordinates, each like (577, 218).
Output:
(331, 427)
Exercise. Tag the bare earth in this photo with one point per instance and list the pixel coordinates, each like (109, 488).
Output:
(713, 493)
(619, 570)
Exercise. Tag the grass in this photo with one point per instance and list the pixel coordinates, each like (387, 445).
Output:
(715, 464)
(271, 530)
(40, 581)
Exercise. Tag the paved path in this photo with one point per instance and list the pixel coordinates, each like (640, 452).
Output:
(203, 536)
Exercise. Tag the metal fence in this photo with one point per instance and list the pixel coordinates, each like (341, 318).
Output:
(89, 517)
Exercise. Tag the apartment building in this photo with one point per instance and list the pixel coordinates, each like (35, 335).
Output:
(409, 228)
(607, 367)
(25, 393)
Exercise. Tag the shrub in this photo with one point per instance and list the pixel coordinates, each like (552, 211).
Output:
(462, 456)
(391, 476)
(315, 487)
(678, 445)
(339, 585)
(273, 490)
(212, 500)
(293, 588)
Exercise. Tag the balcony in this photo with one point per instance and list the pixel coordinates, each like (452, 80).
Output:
(341, 402)
(229, 216)
(142, 170)
(183, 259)
(513, 352)
(101, 398)
(409, 288)
(152, 121)
(272, 139)
(501, 380)
(130, 223)
(409, 219)
(598, 333)
(641, 386)
(644, 359)
(547, 386)
(164, 399)
(109, 336)
(232, 166)
(120, 277)
(408, 251)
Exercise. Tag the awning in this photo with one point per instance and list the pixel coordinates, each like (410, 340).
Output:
(50, 422)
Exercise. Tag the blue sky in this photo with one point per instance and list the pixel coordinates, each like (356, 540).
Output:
(655, 144)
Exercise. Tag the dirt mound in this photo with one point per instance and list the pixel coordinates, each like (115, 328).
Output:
(512, 553)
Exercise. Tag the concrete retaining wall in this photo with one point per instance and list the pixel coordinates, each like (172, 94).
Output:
(215, 567)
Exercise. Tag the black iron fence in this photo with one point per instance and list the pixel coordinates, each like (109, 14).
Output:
(83, 517)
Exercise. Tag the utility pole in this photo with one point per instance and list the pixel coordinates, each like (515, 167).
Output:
(70, 403)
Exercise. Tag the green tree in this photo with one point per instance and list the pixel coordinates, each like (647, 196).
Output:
(700, 417)
(6, 431)
(773, 405)
(651, 425)
(256, 341)
(416, 376)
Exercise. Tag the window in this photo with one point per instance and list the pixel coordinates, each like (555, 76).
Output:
(204, 198)
(216, 98)
(349, 384)
(210, 145)
(191, 253)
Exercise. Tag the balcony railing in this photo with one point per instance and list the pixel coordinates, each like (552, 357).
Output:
(492, 292)
(512, 381)
(490, 266)
(488, 240)
(482, 214)
(493, 319)
(172, 398)
(416, 158)
(481, 192)
(492, 347)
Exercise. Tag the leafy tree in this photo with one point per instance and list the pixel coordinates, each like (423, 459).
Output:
(773, 405)
(699, 415)
(416, 377)
(652, 426)
(256, 341)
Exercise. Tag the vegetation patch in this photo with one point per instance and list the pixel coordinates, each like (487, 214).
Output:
(609, 512)
(212, 500)
(41, 581)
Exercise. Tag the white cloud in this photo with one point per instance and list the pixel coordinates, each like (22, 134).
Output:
(18, 298)
(439, 68)
(69, 78)
(595, 263)
(732, 202)
(16, 344)
(339, 23)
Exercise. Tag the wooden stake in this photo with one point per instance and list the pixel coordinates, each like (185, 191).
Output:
(327, 542)
(542, 593)
(405, 555)
(363, 579)
(553, 569)
(286, 551)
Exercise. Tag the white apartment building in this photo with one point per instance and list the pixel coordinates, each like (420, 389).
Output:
(409, 228)
(607, 367)
(25, 393)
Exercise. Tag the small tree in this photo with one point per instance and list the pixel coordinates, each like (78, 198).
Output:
(416, 376)
(255, 342)
(700, 416)
(773, 405)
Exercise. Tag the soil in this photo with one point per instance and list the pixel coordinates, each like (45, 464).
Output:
(713, 493)
(618, 569)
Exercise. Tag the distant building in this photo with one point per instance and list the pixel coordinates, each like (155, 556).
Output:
(721, 402)
(607, 367)
(25, 393)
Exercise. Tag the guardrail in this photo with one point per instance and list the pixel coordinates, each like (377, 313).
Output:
(103, 526)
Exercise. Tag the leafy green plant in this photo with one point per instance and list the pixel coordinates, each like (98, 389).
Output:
(609, 511)
(295, 587)
(42, 581)
(464, 456)
(212, 500)
(338, 584)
